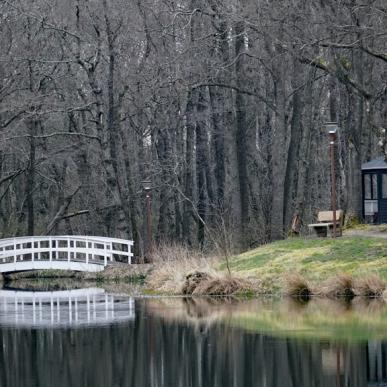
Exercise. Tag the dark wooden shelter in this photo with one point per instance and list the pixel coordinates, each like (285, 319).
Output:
(374, 181)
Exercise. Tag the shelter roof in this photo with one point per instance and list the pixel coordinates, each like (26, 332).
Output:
(378, 163)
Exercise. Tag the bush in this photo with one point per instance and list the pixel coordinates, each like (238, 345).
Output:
(297, 286)
(339, 286)
(371, 286)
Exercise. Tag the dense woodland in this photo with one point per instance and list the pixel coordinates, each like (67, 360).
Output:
(220, 104)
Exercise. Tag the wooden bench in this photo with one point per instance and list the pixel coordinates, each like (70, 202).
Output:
(325, 225)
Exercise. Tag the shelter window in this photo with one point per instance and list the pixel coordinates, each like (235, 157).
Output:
(371, 186)
(384, 185)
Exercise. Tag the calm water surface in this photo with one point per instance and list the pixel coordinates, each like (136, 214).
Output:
(92, 337)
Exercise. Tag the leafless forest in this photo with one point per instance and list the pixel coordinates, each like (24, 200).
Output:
(220, 104)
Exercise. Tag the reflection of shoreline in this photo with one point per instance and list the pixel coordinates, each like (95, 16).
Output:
(57, 284)
(46, 284)
(318, 319)
(64, 308)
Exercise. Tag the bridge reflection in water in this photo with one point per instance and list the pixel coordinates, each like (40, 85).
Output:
(69, 308)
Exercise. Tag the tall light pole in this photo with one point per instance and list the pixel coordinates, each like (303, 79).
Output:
(332, 128)
(147, 189)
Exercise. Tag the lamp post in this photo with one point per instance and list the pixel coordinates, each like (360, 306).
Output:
(332, 128)
(147, 189)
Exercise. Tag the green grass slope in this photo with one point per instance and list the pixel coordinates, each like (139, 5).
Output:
(315, 259)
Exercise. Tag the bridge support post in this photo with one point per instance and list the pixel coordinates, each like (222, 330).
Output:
(14, 250)
(93, 247)
(68, 250)
(40, 248)
(110, 247)
(50, 248)
(32, 250)
(87, 254)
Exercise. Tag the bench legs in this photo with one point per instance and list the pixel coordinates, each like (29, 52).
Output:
(321, 232)
(324, 231)
(338, 231)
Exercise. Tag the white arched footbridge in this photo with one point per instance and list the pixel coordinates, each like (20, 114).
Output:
(65, 252)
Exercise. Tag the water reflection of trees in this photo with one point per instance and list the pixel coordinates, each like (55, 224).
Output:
(157, 350)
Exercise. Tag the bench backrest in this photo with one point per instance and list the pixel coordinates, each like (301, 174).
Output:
(327, 216)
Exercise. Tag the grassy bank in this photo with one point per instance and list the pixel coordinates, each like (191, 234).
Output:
(351, 265)
(358, 263)
(315, 259)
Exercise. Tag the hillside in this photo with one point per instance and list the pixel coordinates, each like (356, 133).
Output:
(314, 259)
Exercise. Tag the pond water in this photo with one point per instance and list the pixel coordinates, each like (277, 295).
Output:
(96, 337)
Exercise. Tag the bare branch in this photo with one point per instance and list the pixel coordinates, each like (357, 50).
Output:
(71, 134)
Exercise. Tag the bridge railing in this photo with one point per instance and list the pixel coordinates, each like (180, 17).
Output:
(86, 249)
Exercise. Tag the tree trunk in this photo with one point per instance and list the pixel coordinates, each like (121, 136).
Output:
(31, 181)
(189, 185)
(241, 134)
(294, 153)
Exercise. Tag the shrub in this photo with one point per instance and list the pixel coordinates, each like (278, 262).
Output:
(371, 286)
(339, 286)
(296, 285)
(223, 286)
(171, 265)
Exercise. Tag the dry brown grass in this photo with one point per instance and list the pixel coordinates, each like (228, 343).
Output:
(222, 286)
(384, 296)
(371, 286)
(174, 252)
(338, 286)
(172, 264)
(193, 280)
(179, 270)
(296, 285)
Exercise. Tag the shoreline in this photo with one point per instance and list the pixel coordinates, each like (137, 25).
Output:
(339, 287)
(354, 265)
